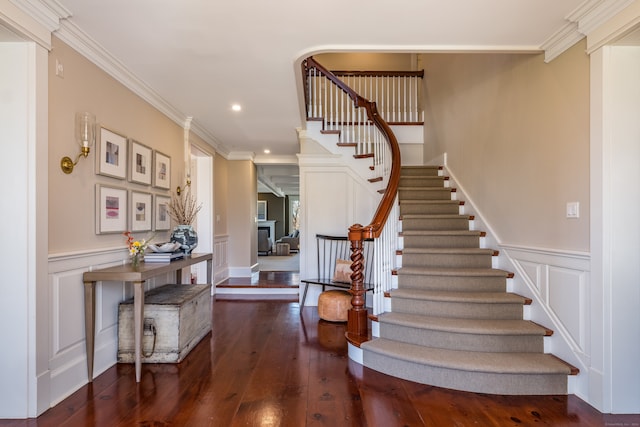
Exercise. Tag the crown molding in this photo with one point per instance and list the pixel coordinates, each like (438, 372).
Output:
(80, 41)
(241, 155)
(583, 20)
(269, 159)
(33, 19)
(209, 138)
(47, 13)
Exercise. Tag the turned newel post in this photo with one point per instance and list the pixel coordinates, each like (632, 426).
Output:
(357, 317)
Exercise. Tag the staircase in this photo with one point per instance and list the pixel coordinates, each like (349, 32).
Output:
(452, 323)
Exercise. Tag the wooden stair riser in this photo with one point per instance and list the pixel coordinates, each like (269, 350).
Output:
(440, 241)
(435, 223)
(461, 310)
(448, 283)
(446, 260)
(425, 194)
(463, 341)
(477, 382)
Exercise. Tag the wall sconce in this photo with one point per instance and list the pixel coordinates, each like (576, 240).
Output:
(179, 190)
(85, 137)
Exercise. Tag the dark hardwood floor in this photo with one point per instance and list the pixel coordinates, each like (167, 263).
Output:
(265, 364)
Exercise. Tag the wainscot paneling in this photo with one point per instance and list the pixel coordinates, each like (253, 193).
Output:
(558, 283)
(67, 357)
(220, 258)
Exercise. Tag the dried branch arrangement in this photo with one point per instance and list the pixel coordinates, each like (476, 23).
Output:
(183, 207)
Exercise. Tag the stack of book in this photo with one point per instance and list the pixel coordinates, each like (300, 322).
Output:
(162, 256)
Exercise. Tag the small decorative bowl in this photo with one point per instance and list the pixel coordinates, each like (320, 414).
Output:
(164, 247)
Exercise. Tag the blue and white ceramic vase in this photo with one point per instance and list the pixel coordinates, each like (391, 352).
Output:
(186, 236)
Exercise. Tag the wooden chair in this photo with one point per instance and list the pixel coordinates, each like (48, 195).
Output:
(331, 252)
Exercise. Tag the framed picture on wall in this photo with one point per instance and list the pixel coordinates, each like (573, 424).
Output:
(140, 211)
(161, 213)
(112, 154)
(139, 163)
(262, 210)
(111, 209)
(161, 170)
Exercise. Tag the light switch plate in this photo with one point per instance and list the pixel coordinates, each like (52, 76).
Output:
(573, 210)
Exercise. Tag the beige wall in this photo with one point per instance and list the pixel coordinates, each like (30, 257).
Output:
(242, 207)
(72, 197)
(356, 61)
(221, 194)
(516, 133)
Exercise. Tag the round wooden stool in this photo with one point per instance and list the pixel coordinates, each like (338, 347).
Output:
(333, 305)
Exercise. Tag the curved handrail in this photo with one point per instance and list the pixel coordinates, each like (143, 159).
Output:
(376, 225)
(357, 326)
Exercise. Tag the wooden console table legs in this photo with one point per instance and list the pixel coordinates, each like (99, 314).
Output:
(89, 323)
(138, 322)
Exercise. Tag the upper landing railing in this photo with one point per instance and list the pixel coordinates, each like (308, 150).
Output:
(397, 95)
(352, 116)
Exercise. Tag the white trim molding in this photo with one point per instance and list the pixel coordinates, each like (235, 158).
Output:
(580, 23)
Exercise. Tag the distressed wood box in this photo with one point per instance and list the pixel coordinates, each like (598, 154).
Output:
(177, 317)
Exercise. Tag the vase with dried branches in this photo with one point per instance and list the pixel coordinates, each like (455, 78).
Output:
(183, 209)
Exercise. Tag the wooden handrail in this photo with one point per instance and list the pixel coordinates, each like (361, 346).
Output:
(357, 326)
(419, 73)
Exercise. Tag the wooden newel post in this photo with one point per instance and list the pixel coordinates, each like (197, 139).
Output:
(357, 317)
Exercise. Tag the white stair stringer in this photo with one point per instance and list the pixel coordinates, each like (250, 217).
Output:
(329, 142)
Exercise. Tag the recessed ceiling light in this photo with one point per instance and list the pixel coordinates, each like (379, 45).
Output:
(267, 151)
(236, 107)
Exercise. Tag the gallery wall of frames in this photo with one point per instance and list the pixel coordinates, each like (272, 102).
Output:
(139, 197)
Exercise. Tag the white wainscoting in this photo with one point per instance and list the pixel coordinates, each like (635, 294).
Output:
(220, 259)
(558, 284)
(67, 355)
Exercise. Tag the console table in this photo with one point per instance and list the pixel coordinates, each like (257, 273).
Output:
(136, 276)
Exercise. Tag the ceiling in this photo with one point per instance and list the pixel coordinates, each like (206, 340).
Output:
(201, 56)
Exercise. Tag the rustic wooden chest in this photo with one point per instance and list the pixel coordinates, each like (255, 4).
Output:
(176, 318)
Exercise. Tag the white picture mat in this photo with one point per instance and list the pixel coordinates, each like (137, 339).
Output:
(161, 213)
(141, 211)
(112, 154)
(161, 170)
(111, 209)
(140, 157)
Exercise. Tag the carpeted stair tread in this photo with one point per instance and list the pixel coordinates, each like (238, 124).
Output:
(429, 202)
(434, 206)
(434, 216)
(419, 170)
(452, 323)
(473, 272)
(423, 189)
(459, 297)
(422, 180)
(449, 251)
(441, 233)
(473, 361)
(464, 326)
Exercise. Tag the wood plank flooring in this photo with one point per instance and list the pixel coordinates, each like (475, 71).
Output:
(265, 364)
